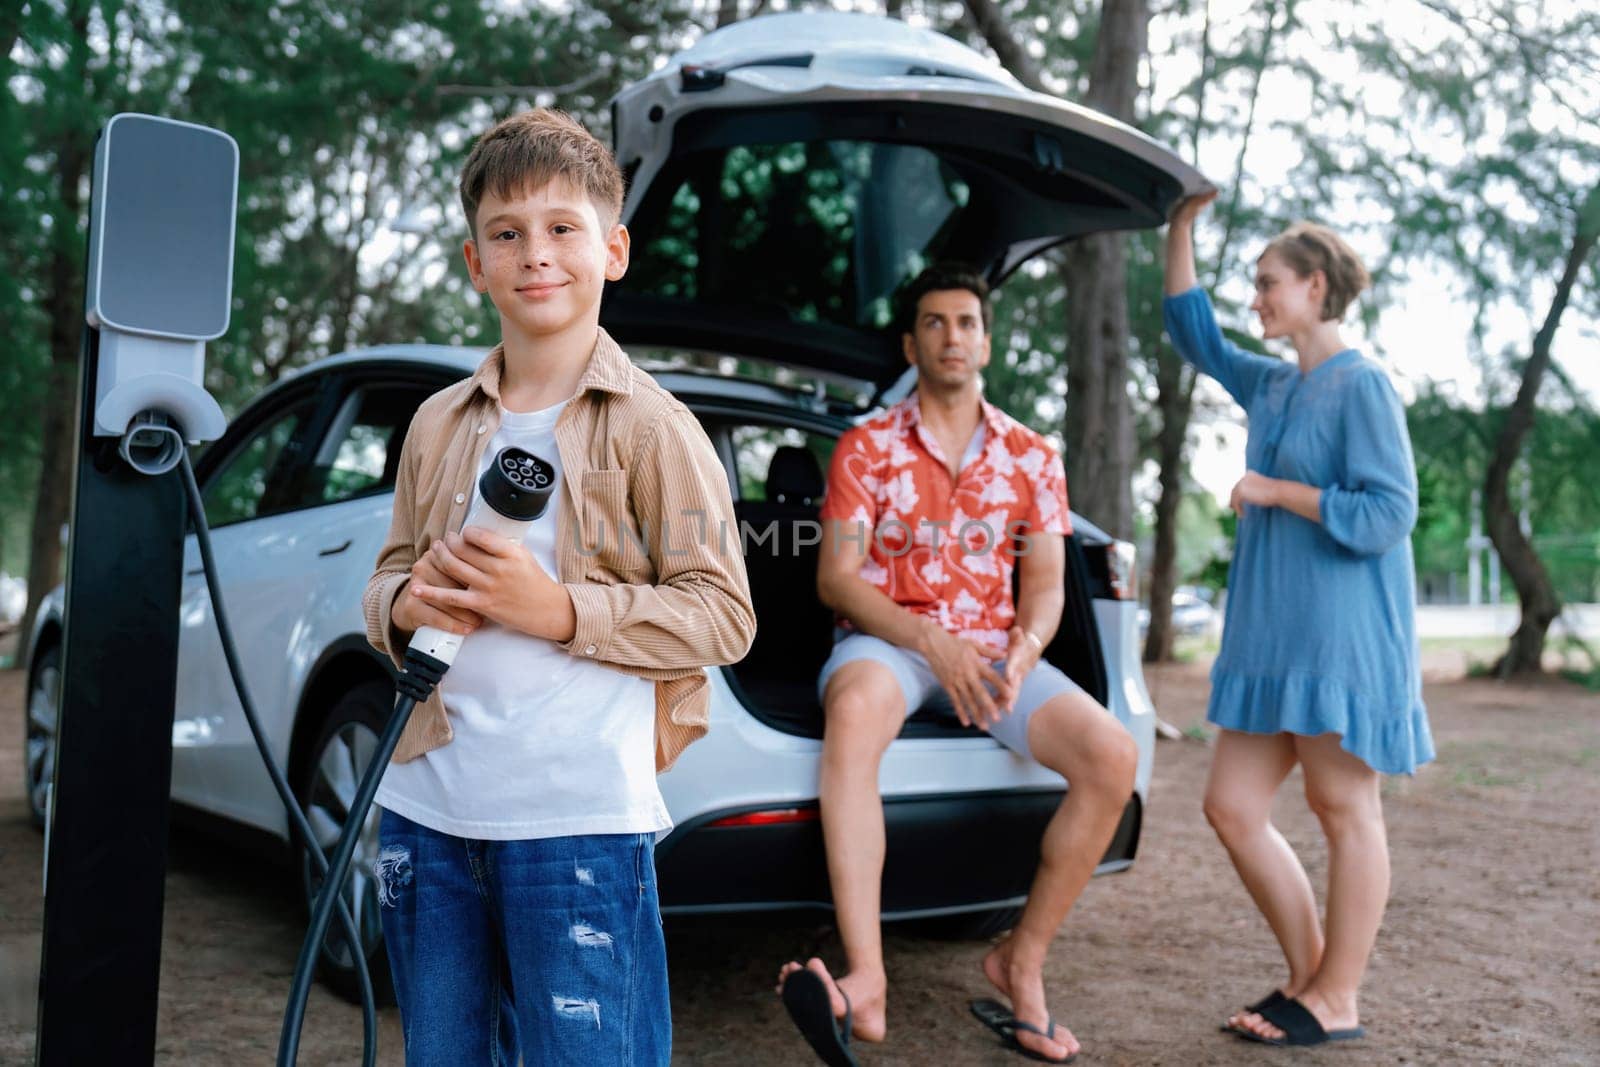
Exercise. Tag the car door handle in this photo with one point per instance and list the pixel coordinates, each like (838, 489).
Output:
(335, 550)
(194, 573)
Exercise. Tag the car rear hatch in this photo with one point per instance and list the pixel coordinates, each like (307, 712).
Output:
(789, 173)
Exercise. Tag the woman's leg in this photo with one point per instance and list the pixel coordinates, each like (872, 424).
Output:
(1246, 771)
(1343, 793)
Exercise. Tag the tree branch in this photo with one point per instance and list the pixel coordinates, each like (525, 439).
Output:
(522, 90)
(987, 20)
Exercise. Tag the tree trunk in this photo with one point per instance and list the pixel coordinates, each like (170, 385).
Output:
(1175, 383)
(1099, 422)
(1175, 403)
(64, 307)
(1540, 605)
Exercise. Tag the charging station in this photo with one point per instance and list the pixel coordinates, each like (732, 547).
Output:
(158, 286)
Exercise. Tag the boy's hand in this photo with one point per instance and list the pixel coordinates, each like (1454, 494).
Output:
(411, 612)
(499, 580)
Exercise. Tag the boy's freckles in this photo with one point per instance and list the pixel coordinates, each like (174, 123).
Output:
(543, 255)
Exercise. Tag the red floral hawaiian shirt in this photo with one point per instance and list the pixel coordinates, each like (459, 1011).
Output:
(946, 550)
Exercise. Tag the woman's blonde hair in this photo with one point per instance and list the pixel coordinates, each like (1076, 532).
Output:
(1307, 247)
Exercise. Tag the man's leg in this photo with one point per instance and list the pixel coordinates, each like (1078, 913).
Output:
(1085, 744)
(865, 706)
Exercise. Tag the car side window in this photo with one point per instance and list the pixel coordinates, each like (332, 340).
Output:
(754, 447)
(239, 489)
(360, 455)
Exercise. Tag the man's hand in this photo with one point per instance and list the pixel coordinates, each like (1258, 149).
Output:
(1022, 655)
(962, 668)
(499, 579)
(411, 612)
(1256, 490)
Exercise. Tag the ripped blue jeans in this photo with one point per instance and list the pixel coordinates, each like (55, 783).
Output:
(548, 950)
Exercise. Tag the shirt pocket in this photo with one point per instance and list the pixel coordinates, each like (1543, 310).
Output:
(613, 547)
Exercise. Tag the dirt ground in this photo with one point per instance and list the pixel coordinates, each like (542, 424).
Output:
(1490, 952)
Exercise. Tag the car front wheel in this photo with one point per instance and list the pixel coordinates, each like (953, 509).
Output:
(326, 787)
(44, 700)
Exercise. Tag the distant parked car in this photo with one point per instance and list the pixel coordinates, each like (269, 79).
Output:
(787, 176)
(1192, 613)
(13, 599)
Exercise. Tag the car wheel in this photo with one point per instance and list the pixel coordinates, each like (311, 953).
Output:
(326, 787)
(44, 702)
(967, 926)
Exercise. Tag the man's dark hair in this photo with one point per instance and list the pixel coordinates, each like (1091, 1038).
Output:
(940, 277)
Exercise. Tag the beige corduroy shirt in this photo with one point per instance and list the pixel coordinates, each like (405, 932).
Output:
(657, 577)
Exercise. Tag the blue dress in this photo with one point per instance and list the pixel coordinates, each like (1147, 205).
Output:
(1320, 631)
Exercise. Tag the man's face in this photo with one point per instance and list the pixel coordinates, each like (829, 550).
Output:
(947, 343)
(543, 257)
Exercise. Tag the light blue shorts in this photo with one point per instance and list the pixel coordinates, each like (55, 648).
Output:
(922, 689)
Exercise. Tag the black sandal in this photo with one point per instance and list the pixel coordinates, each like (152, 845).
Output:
(1299, 1026)
(998, 1017)
(1274, 997)
(805, 995)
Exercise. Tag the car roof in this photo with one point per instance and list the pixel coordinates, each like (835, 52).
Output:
(675, 378)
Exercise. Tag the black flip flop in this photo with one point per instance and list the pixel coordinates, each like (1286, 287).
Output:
(805, 996)
(1257, 1008)
(1299, 1026)
(997, 1017)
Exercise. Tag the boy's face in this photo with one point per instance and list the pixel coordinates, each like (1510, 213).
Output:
(543, 257)
(947, 343)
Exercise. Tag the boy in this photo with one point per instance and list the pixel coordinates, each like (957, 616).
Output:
(516, 868)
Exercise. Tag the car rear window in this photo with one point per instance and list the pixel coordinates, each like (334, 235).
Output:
(814, 231)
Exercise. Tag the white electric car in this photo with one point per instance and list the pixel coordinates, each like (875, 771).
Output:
(786, 175)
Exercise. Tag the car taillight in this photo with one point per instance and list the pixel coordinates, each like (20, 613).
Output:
(769, 817)
(1120, 569)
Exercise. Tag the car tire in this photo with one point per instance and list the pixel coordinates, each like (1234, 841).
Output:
(39, 733)
(966, 926)
(325, 785)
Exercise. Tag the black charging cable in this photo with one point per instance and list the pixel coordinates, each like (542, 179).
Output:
(512, 492)
(297, 817)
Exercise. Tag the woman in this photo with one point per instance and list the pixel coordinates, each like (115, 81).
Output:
(1319, 655)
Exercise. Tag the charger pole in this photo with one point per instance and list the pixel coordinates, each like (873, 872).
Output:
(106, 860)
(158, 286)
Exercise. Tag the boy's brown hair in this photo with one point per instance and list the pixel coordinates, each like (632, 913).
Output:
(530, 150)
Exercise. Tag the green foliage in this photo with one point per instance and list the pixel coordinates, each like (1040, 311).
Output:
(1452, 448)
(350, 117)
(347, 117)
(1214, 573)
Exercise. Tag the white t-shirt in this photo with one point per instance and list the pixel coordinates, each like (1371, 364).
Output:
(547, 744)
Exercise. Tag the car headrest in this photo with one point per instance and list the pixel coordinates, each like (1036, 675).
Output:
(793, 477)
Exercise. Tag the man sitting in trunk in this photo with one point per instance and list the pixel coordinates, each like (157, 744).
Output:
(929, 508)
